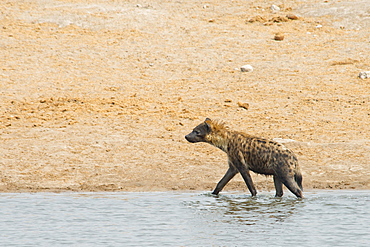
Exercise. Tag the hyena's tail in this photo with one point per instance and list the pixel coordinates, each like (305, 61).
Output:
(298, 179)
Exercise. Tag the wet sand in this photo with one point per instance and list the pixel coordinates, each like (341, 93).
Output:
(98, 95)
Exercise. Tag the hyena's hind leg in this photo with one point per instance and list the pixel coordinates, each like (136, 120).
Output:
(298, 179)
(292, 185)
(231, 172)
(278, 187)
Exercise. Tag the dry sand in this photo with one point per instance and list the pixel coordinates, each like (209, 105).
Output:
(98, 95)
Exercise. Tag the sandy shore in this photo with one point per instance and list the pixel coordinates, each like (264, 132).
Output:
(98, 95)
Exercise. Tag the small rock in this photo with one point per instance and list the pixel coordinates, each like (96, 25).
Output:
(246, 68)
(243, 105)
(292, 17)
(364, 74)
(319, 26)
(275, 8)
(279, 37)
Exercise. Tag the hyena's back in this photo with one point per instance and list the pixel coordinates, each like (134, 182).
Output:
(264, 156)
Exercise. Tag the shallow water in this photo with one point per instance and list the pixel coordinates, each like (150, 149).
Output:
(323, 218)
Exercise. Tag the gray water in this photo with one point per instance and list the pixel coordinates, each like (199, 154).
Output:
(323, 218)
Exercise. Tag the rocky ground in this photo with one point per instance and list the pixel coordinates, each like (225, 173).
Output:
(98, 95)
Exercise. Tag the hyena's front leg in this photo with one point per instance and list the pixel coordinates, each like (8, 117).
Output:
(248, 180)
(242, 167)
(231, 172)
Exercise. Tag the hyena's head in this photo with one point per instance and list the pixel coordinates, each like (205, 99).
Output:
(200, 132)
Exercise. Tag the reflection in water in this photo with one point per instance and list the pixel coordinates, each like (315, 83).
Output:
(325, 218)
(248, 210)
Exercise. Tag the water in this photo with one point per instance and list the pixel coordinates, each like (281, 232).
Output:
(323, 218)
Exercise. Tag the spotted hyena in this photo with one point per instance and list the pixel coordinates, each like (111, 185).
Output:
(249, 153)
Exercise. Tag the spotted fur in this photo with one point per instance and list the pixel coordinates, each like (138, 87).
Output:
(250, 153)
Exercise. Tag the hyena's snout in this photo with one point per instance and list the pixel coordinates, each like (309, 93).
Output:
(193, 137)
(190, 138)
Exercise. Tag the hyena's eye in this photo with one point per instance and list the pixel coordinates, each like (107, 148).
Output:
(197, 132)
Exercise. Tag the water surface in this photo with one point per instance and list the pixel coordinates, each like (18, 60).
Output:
(323, 218)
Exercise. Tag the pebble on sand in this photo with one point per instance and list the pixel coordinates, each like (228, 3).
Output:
(243, 105)
(279, 36)
(246, 68)
(275, 8)
(364, 74)
(292, 17)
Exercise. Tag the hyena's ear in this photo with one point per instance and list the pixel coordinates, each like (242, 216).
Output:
(208, 123)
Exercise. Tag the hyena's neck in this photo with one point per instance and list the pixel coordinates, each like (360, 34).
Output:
(219, 140)
(224, 139)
